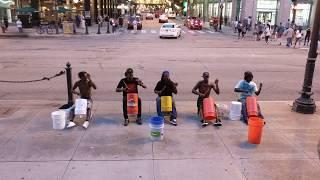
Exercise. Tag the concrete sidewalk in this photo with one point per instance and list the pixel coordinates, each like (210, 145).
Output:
(31, 149)
(32, 32)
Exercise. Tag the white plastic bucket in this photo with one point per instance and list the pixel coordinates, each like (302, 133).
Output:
(58, 119)
(156, 128)
(156, 132)
(81, 107)
(235, 110)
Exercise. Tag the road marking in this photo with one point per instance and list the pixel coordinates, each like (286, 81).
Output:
(201, 32)
(143, 31)
(183, 31)
(153, 31)
(192, 32)
(211, 32)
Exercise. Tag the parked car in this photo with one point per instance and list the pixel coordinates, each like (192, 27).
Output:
(194, 23)
(171, 15)
(149, 16)
(170, 30)
(134, 19)
(163, 18)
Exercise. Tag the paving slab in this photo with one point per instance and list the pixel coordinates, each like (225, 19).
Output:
(41, 146)
(119, 170)
(273, 145)
(289, 169)
(181, 144)
(123, 144)
(52, 170)
(191, 169)
(308, 140)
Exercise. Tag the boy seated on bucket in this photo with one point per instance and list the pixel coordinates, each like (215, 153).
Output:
(129, 84)
(85, 85)
(246, 88)
(166, 87)
(203, 89)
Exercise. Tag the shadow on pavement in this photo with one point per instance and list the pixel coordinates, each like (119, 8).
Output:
(246, 145)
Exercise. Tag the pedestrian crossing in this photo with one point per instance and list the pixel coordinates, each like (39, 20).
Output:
(153, 31)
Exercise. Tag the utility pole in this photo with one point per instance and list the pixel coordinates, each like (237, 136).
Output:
(294, 10)
(305, 104)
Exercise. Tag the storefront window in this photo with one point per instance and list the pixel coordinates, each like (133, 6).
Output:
(216, 9)
(210, 10)
(302, 14)
(267, 11)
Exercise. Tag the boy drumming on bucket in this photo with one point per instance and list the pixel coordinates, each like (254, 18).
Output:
(85, 85)
(203, 89)
(129, 84)
(246, 88)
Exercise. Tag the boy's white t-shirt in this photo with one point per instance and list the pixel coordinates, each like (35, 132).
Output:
(250, 87)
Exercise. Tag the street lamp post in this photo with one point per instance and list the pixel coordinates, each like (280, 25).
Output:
(221, 9)
(304, 104)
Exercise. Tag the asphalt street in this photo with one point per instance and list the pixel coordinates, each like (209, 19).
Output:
(106, 57)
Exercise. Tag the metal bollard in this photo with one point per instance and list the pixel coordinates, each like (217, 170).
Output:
(99, 28)
(74, 29)
(87, 32)
(57, 28)
(69, 83)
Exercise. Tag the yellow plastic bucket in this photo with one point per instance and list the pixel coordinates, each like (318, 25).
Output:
(166, 103)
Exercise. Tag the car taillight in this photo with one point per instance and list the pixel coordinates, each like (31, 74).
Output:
(172, 30)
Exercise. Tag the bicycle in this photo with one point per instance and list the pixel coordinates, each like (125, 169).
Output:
(45, 28)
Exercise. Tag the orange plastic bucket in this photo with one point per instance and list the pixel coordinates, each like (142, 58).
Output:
(209, 110)
(132, 103)
(252, 107)
(255, 130)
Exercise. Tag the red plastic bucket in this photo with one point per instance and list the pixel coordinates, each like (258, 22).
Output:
(209, 110)
(255, 130)
(252, 107)
(132, 103)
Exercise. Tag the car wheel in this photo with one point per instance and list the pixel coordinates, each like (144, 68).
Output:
(160, 37)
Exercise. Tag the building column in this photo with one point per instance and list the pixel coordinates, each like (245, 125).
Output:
(249, 8)
(95, 10)
(284, 12)
(234, 10)
(87, 13)
(205, 11)
(9, 15)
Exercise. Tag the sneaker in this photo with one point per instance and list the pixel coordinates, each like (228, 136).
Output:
(204, 123)
(173, 122)
(126, 122)
(71, 124)
(139, 121)
(85, 124)
(217, 123)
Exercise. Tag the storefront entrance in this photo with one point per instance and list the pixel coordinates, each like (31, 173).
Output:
(264, 17)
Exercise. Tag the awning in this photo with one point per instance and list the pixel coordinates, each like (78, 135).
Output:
(6, 3)
(26, 10)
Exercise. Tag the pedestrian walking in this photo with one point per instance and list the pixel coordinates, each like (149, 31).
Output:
(240, 28)
(298, 36)
(3, 27)
(166, 87)
(267, 34)
(247, 88)
(85, 85)
(203, 89)
(19, 25)
(130, 84)
(307, 37)
(260, 30)
(78, 20)
(244, 31)
(235, 24)
(289, 34)
(6, 22)
(280, 31)
(82, 22)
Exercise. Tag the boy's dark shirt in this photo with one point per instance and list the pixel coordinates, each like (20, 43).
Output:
(170, 88)
(131, 84)
(85, 88)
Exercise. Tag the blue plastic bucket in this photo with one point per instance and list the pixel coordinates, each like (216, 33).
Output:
(156, 125)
